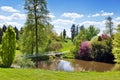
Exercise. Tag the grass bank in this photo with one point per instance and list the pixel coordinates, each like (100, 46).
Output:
(67, 45)
(37, 74)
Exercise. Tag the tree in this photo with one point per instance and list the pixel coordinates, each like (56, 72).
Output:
(76, 30)
(1, 33)
(4, 28)
(82, 27)
(8, 47)
(91, 32)
(73, 32)
(109, 26)
(85, 34)
(116, 45)
(64, 33)
(37, 13)
(17, 33)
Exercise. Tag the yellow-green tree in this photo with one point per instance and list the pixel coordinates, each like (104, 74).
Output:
(8, 47)
(116, 45)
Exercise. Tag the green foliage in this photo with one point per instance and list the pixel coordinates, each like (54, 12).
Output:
(91, 32)
(116, 45)
(68, 55)
(54, 45)
(102, 50)
(27, 40)
(8, 47)
(23, 62)
(84, 35)
(35, 27)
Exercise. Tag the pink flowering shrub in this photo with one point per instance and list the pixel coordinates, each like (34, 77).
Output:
(84, 52)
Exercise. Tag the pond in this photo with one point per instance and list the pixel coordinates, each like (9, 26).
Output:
(75, 65)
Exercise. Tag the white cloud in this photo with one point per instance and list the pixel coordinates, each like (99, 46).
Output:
(12, 23)
(51, 15)
(16, 19)
(9, 9)
(4, 18)
(18, 16)
(117, 18)
(103, 13)
(107, 13)
(96, 15)
(62, 22)
(72, 15)
(98, 24)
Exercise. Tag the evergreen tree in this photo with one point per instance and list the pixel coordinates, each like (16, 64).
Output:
(64, 33)
(4, 28)
(77, 30)
(17, 33)
(1, 33)
(73, 32)
(8, 47)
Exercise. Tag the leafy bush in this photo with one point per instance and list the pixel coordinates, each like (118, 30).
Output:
(23, 62)
(102, 50)
(55, 46)
(84, 52)
(116, 45)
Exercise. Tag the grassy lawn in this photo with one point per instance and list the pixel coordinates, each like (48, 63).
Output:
(37, 74)
(67, 46)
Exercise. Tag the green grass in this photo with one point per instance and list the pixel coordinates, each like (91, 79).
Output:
(37, 74)
(67, 46)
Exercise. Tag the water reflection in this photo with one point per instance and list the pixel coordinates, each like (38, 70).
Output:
(65, 66)
(75, 65)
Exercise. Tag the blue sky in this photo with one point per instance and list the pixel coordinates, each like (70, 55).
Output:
(64, 13)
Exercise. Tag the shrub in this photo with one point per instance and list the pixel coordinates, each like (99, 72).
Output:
(55, 46)
(102, 50)
(84, 52)
(116, 47)
(23, 62)
(8, 47)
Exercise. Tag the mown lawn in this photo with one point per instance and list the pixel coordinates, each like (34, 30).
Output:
(37, 74)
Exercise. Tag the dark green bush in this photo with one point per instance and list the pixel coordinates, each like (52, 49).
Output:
(102, 50)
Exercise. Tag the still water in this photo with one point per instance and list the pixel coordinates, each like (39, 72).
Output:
(75, 65)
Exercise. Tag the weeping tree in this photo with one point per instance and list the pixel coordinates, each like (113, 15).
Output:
(36, 22)
(8, 46)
